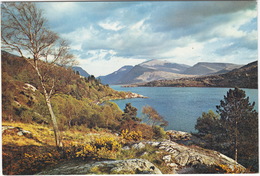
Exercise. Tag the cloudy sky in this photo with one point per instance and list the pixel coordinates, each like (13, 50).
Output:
(105, 36)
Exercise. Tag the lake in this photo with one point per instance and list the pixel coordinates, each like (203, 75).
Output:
(180, 106)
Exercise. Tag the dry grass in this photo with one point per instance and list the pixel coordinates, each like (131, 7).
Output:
(42, 135)
(23, 155)
(46, 136)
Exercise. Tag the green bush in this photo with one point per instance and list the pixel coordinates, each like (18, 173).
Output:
(159, 133)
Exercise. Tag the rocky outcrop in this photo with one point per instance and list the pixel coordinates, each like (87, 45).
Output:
(134, 95)
(131, 166)
(180, 156)
(178, 135)
(16, 130)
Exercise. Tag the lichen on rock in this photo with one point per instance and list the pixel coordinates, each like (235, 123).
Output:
(130, 166)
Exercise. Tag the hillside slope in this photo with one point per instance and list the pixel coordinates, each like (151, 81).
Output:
(133, 74)
(81, 71)
(114, 77)
(75, 100)
(244, 77)
(165, 66)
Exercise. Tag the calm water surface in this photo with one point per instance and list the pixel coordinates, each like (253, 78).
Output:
(180, 106)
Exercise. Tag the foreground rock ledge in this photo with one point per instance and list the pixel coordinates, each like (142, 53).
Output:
(131, 166)
(180, 156)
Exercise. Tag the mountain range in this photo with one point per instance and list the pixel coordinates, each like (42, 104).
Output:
(208, 68)
(244, 77)
(153, 70)
(115, 77)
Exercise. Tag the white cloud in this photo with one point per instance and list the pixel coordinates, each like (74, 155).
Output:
(109, 25)
(108, 35)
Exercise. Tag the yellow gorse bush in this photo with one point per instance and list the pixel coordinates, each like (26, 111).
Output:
(132, 135)
(102, 147)
(88, 150)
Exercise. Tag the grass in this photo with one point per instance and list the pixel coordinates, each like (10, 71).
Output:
(22, 155)
(42, 135)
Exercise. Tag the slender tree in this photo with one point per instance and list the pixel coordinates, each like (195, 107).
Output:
(153, 116)
(25, 30)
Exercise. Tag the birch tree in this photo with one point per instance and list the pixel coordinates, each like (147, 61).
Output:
(25, 30)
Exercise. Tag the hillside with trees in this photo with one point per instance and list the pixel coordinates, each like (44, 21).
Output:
(73, 96)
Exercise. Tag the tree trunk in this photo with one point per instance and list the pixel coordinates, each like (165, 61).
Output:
(47, 96)
(236, 141)
(55, 125)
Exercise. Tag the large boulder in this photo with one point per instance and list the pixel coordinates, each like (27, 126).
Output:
(131, 166)
(191, 157)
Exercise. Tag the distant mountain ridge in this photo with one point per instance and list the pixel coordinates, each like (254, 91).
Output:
(244, 77)
(115, 77)
(165, 66)
(133, 74)
(207, 68)
(81, 71)
(152, 70)
(146, 71)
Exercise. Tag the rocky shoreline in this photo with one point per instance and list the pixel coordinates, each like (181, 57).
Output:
(134, 95)
(129, 95)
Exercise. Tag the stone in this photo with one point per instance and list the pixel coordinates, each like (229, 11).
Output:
(4, 128)
(20, 133)
(167, 158)
(130, 166)
(126, 148)
(172, 165)
(178, 135)
(138, 146)
(30, 87)
(154, 144)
